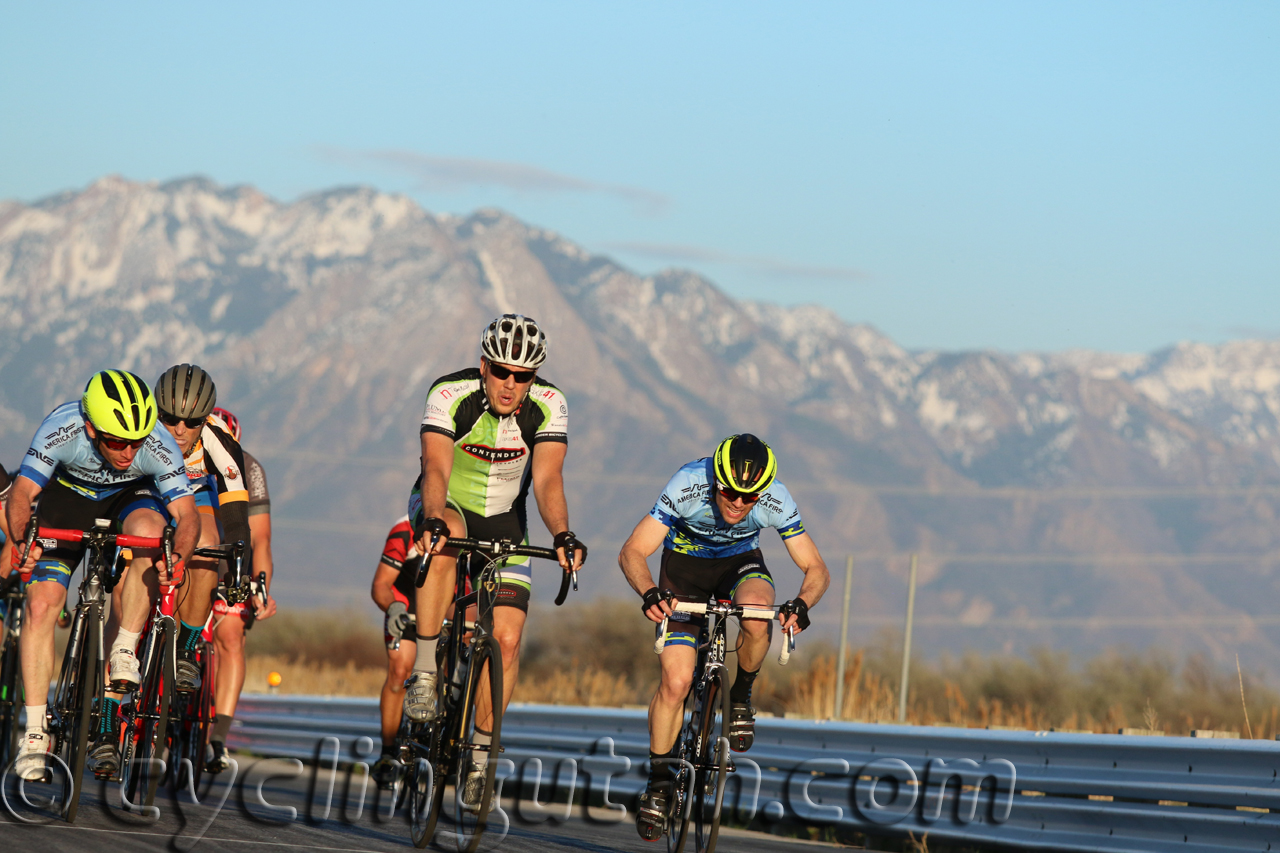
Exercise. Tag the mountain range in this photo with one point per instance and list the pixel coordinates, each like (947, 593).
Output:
(1075, 499)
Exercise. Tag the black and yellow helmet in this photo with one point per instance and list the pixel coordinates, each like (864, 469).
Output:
(745, 464)
(119, 403)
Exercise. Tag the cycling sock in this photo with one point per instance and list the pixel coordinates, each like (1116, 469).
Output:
(389, 748)
(107, 719)
(35, 717)
(221, 725)
(189, 637)
(481, 757)
(661, 771)
(426, 659)
(126, 640)
(741, 690)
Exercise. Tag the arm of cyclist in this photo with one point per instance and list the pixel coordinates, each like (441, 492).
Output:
(644, 541)
(437, 465)
(548, 489)
(260, 545)
(18, 513)
(383, 594)
(186, 532)
(6, 550)
(816, 580)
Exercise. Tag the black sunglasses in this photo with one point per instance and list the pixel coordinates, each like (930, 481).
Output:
(119, 444)
(501, 373)
(731, 495)
(174, 420)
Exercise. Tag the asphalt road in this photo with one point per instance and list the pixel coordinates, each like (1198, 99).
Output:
(291, 815)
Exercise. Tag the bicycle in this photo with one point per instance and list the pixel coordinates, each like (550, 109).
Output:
(435, 752)
(702, 760)
(191, 714)
(80, 694)
(11, 696)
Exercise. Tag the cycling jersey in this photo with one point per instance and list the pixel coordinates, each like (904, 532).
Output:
(215, 463)
(491, 454)
(401, 554)
(687, 506)
(62, 445)
(255, 477)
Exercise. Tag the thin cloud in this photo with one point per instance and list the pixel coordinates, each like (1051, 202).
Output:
(450, 174)
(773, 267)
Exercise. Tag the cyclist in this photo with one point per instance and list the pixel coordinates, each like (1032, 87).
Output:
(6, 544)
(393, 591)
(487, 435)
(708, 521)
(98, 457)
(185, 394)
(231, 621)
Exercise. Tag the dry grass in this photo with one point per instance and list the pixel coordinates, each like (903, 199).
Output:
(598, 654)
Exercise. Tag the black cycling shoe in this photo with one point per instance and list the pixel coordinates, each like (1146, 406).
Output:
(742, 726)
(385, 773)
(651, 819)
(218, 758)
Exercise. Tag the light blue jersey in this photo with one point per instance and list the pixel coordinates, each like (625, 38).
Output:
(61, 445)
(687, 506)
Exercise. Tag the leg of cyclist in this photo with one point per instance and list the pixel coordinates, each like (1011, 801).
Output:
(509, 615)
(44, 603)
(666, 716)
(391, 705)
(194, 603)
(229, 624)
(431, 602)
(755, 587)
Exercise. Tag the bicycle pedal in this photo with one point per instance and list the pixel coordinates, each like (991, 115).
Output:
(122, 686)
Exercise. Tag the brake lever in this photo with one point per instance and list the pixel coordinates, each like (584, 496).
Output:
(426, 561)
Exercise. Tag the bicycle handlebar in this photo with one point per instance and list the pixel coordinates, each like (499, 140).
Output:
(122, 540)
(725, 609)
(497, 550)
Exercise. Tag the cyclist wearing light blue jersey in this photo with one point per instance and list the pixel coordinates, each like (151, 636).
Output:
(708, 522)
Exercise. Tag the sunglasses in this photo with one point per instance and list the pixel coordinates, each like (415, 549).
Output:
(121, 443)
(501, 373)
(174, 420)
(730, 495)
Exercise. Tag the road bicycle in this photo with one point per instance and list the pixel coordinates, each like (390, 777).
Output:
(78, 700)
(11, 698)
(702, 760)
(434, 753)
(191, 713)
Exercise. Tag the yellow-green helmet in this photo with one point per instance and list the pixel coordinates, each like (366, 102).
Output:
(745, 464)
(119, 403)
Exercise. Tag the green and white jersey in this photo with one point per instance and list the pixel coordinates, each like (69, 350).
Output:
(491, 454)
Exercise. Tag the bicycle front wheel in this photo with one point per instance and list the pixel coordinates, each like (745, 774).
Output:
(485, 671)
(10, 690)
(425, 785)
(712, 763)
(82, 685)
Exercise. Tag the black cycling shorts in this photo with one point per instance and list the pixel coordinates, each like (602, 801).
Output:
(516, 574)
(703, 578)
(63, 507)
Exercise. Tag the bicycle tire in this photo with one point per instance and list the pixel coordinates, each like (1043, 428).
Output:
(77, 713)
(192, 716)
(10, 690)
(426, 790)
(469, 826)
(145, 739)
(712, 763)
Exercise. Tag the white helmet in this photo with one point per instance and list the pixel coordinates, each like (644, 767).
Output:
(516, 340)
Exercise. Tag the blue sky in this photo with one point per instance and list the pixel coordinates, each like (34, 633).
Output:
(1021, 176)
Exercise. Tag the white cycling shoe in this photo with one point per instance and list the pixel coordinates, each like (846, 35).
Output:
(126, 672)
(32, 763)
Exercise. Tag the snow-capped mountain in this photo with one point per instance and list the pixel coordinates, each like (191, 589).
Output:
(1036, 486)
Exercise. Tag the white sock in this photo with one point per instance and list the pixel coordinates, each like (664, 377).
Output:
(35, 717)
(426, 659)
(481, 757)
(126, 640)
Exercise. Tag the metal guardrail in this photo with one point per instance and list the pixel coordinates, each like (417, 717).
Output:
(1026, 790)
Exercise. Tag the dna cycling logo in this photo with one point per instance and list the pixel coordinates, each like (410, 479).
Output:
(495, 455)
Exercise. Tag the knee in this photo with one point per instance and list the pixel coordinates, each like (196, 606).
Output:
(41, 609)
(397, 672)
(509, 642)
(144, 523)
(755, 629)
(675, 686)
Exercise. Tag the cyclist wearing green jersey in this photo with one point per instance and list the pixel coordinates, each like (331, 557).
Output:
(487, 436)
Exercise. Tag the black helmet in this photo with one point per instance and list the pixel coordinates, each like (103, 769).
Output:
(186, 391)
(745, 464)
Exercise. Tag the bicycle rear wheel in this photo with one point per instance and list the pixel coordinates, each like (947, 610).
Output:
(83, 678)
(145, 740)
(712, 763)
(192, 717)
(485, 668)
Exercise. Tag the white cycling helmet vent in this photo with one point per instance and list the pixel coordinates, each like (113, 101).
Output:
(516, 340)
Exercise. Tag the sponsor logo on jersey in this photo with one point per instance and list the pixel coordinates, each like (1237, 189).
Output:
(494, 455)
(232, 473)
(31, 451)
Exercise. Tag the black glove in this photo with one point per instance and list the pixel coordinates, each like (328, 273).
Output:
(652, 598)
(566, 540)
(397, 619)
(434, 526)
(800, 609)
